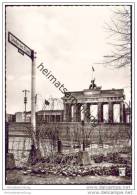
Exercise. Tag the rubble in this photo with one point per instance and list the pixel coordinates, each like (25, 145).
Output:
(67, 166)
(112, 158)
(73, 171)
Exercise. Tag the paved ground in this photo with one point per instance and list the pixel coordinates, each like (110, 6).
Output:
(17, 177)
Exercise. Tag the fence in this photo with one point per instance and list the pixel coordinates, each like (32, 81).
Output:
(109, 137)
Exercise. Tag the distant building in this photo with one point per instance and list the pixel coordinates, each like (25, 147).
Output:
(49, 116)
(41, 116)
(10, 118)
(19, 117)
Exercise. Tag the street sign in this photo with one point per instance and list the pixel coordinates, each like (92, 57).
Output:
(22, 48)
(21, 52)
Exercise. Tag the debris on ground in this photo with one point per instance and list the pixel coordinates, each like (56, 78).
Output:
(73, 171)
(112, 158)
(68, 165)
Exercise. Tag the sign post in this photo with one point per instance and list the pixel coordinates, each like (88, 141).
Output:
(33, 96)
(24, 49)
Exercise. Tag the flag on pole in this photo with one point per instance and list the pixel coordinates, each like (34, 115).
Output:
(46, 102)
(93, 68)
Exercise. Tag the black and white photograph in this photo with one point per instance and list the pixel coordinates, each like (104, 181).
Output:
(68, 91)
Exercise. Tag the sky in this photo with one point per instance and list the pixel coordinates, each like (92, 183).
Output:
(68, 41)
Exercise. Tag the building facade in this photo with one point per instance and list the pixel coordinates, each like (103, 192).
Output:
(106, 106)
(49, 116)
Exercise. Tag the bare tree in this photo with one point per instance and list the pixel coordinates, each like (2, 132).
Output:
(120, 38)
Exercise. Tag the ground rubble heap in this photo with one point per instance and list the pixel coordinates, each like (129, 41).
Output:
(68, 166)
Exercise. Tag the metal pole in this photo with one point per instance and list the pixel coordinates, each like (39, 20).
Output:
(33, 96)
(25, 112)
(25, 101)
(83, 135)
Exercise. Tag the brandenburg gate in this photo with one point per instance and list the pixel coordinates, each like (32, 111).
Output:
(96, 97)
